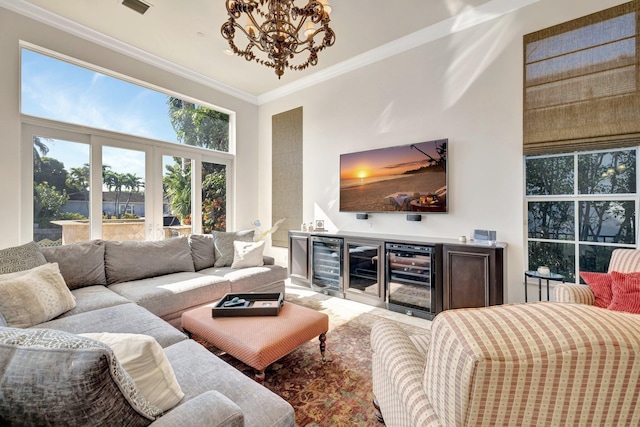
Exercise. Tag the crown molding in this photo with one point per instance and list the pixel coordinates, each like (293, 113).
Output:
(465, 20)
(41, 15)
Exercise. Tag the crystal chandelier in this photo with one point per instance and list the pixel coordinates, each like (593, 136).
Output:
(280, 30)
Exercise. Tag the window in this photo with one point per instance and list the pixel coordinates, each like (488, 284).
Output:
(105, 159)
(580, 207)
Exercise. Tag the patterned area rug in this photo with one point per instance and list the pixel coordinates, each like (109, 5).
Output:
(337, 392)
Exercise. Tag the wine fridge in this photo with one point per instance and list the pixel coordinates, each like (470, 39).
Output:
(327, 265)
(412, 287)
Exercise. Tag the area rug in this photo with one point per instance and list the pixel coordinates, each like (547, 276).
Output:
(337, 392)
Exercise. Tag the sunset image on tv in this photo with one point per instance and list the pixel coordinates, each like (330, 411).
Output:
(410, 178)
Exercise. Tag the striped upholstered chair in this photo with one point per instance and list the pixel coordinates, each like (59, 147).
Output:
(622, 260)
(540, 364)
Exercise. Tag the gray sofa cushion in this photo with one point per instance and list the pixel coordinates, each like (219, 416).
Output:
(126, 261)
(56, 378)
(93, 298)
(198, 371)
(202, 250)
(223, 245)
(20, 258)
(129, 318)
(172, 293)
(266, 278)
(81, 264)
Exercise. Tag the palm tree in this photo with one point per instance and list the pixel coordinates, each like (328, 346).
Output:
(177, 185)
(113, 181)
(78, 179)
(131, 182)
(39, 149)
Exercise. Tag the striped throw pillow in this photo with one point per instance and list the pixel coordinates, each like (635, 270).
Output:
(626, 292)
(600, 284)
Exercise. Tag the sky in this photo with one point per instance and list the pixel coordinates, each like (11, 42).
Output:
(60, 91)
(386, 161)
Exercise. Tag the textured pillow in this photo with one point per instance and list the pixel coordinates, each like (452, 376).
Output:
(600, 285)
(223, 245)
(20, 258)
(56, 378)
(126, 261)
(81, 264)
(143, 359)
(202, 250)
(34, 296)
(247, 254)
(626, 292)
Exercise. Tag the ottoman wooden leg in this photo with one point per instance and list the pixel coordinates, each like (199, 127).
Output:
(377, 410)
(259, 376)
(323, 338)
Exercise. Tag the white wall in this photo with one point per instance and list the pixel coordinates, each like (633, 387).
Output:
(466, 87)
(14, 27)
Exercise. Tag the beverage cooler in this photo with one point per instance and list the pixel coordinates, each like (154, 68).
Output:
(327, 265)
(411, 280)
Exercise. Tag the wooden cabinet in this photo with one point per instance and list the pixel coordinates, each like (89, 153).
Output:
(473, 276)
(299, 265)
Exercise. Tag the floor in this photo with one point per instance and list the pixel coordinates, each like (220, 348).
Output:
(355, 307)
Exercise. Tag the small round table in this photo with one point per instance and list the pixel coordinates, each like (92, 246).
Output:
(541, 277)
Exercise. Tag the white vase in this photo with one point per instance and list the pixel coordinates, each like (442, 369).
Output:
(543, 270)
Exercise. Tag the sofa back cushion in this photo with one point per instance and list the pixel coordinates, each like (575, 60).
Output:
(126, 261)
(56, 378)
(223, 245)
(624, 261)
(19, 258)
(202, 251)
(81, 264)
(30, 297)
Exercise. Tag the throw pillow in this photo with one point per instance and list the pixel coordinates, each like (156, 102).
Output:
(247, 254)
(34, 296)
(53, 377)
(81, 264)
(600, 285)
(20, 258)
(143, 359)
(126, 261)
(202, 251)
(626, 292)
(223, 245)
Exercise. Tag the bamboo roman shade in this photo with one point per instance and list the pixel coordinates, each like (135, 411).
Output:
(581, 83)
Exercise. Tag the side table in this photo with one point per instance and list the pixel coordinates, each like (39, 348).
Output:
(548, 277)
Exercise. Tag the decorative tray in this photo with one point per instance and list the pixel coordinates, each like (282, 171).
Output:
(248, 304)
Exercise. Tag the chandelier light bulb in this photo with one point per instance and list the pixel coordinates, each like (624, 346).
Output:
(308, 32)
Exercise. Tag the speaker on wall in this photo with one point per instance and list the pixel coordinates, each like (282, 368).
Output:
(362, 216)
(414, 217)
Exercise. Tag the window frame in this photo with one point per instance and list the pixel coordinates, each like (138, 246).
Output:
(154, 151)
(576, 198)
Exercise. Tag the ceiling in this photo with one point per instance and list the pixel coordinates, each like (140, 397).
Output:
(187, 33)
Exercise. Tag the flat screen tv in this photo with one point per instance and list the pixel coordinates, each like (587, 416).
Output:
(405, 178)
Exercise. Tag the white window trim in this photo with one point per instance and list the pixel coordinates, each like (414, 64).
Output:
(154, 151)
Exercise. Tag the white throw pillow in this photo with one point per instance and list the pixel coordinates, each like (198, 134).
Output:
(143, 359)
(33, 296)
(247, 254)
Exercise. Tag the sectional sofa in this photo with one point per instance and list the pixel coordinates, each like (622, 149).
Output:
(70, 316)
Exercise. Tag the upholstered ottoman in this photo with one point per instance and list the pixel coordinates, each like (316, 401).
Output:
(258, 341)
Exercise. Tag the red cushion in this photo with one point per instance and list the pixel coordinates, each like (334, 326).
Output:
(626, 292)
(600, 284)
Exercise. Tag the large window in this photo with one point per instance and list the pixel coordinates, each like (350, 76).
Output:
(580, 207)
(118, 172)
